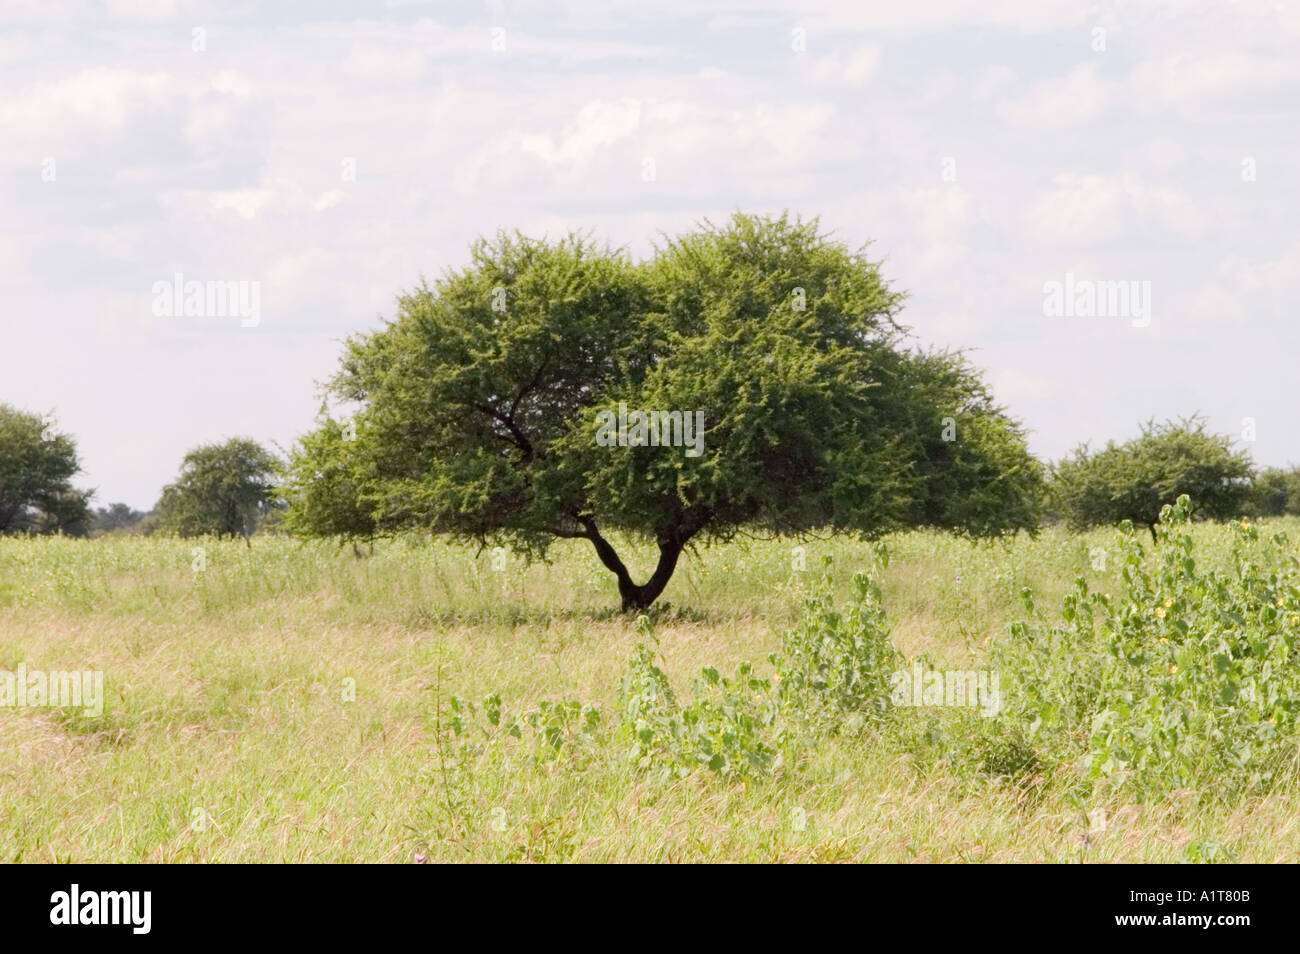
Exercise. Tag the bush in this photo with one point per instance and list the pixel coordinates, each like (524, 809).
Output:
(730, 727)
(839, 663)
(834, 670)
(1187, 678)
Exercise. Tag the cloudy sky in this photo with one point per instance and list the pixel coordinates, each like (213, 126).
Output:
(333, 152)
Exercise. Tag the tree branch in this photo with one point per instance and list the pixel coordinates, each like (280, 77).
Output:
(520, 438)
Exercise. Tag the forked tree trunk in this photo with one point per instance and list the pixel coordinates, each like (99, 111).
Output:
(638, 596)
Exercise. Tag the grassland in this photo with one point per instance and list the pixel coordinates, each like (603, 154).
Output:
(231, 732)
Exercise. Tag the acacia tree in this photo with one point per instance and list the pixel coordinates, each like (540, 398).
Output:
(484, 407)
(223, 490)
(37, 464)
(1135, 479)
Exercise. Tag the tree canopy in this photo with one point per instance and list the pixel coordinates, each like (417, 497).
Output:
(223, 490)
(37, 464)
(1275, 491)
(1135, 479)
(486, 408)
(117, 517)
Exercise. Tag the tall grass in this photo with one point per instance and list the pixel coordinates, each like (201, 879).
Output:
(293, 702)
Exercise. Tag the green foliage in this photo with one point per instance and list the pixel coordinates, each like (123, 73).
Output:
(36, 465)
(1187, 677)
(478, 404)
(323, 485)
(1274, 492)
(729, 727)
(833, 671)
(553, 727)
(839, 664)
(963, 744)
(1134, 480)
(117, 518)
(223, 490)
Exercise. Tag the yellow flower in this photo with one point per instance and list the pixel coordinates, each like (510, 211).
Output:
(1172, 670)
(1294, 620)
(1169, 602)
(1161, 612)
(1163, 640)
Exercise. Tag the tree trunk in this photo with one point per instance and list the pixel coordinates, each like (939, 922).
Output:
(640, 597)
(634, 596)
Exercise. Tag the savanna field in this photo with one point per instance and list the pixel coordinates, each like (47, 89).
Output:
(294, 702)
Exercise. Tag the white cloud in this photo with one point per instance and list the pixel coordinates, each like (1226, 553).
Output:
(1080, 96)
(854, 69)
(147, 9)
(1242, 290)
(940, 220)
(1190, 81)
(991, 81)
(1088, 209)
(375, 61)
(598, 125)
(328, 200)
(246, 203)
(1022, 16)
(98, 98)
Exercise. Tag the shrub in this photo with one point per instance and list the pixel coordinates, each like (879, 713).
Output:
(1187, 678)
(839, 663)
(730, 726)
(833, 670)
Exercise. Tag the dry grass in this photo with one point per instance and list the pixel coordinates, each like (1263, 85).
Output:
(228, 735)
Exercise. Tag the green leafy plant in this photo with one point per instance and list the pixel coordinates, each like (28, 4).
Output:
(837, 662)
(1187, 678)
(730, 726)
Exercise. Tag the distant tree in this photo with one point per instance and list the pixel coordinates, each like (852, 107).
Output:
(486, 408)
(151, 524)
(118, 516)
(36, 467)
(223, 490)
(1133, 480)
(1275, 491)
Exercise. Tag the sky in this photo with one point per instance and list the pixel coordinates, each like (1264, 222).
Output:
(334, 153)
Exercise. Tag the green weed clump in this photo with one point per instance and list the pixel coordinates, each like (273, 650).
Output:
(835, 666)
(731, 726)
(1187, 677)
(833, 670)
